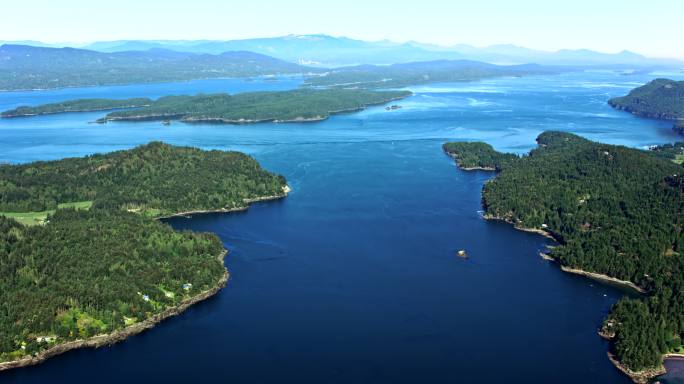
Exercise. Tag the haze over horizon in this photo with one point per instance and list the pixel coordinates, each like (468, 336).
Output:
(609, 26)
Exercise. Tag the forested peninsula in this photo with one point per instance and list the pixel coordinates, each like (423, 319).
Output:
(659, 99)
(104, 268)
(616, 212)
(79, 105)
(287, 106)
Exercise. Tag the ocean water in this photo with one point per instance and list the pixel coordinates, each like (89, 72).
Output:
(353, 278)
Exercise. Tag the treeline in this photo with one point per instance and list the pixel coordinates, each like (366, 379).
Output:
(616, 211)
(88, 272)
(92, 272)
(156, 179)
(296, 105)
(80, 105)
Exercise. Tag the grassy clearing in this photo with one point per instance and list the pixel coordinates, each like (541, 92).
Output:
(679, 159)
(36, 218)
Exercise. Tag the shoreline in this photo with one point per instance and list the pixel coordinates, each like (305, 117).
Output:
(149, 323)
(639, 377)
(18, 116)
(650, 115)
(248, 202)
(221, 120)
(476, 168)
(592, 275)
(575, 271)
(604, 278)
(538, 231)
(123, 333)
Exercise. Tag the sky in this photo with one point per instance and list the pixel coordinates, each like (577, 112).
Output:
(654, 27)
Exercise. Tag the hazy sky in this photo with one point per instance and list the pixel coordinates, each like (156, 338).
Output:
(652, 27)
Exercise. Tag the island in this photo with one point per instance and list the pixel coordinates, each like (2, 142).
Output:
(617, 214)
(79, 105)
(659, 99)
(301, 105)
(98, 266)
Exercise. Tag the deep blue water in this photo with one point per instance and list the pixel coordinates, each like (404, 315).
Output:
(353, 278)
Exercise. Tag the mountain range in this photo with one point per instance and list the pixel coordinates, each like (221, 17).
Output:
(324, 50)
(30, 67)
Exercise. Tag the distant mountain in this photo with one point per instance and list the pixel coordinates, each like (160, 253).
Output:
(319, 50)
(29, 67)
(324, 50)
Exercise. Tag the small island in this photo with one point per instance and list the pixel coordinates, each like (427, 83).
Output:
(90, 265)
(79, 105)
(660, 99)
(617, 214)
(472, 156)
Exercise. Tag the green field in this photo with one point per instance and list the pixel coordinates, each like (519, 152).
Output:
(679, 159)
(35, 218)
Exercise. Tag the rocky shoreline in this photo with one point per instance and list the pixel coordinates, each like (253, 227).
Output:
(461, 167)
(286, 191)
(121, 334)
(605, 278)
(639, 377)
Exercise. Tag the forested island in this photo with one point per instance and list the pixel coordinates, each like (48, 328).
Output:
(615, 212)
(406, 74)
(659, 99)
(79, 105)
(102, 268)
(286, 106)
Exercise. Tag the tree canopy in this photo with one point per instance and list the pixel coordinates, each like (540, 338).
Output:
(616, 211)
(90, 269)
(295, 105)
